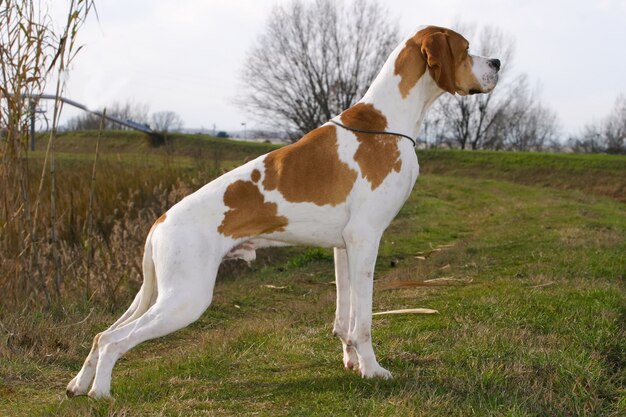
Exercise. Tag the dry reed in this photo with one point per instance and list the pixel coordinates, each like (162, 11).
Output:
(31, 51)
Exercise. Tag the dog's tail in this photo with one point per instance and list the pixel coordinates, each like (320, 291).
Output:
(148, 291)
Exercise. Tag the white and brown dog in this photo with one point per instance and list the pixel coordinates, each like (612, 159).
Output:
(335, 187)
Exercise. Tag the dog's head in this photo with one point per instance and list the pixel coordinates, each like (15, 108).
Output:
(446, 55)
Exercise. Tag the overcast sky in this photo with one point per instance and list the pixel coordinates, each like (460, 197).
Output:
(185, 56)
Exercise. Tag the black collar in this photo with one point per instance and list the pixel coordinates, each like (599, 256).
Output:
(375, 132)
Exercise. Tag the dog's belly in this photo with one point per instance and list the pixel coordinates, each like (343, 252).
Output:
(312, 225)
(322, 236)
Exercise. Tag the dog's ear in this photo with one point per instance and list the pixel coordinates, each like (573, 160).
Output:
(440, 60)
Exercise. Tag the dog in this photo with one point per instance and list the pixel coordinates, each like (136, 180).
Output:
(339, 186)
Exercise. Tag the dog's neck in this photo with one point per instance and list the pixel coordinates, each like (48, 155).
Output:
(404, 114)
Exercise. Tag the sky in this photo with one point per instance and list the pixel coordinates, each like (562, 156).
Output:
(186, 56)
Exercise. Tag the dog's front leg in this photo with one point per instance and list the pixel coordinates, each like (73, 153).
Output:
(362, 249)
(344, 318)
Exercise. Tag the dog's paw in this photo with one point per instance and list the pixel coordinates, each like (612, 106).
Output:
(376, 371)
(74, 388)
(350, 358)
(97, 394)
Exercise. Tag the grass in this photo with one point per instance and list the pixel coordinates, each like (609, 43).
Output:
(595, 173)
(535, 326)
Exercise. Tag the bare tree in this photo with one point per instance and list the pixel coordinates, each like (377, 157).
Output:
(137, 112)
(166, 121)
(608, 135)
(524, 124)
(85, 121)
(615, 127)
(314, 60)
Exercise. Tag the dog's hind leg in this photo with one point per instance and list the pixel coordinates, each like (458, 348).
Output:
(344, 318)
(80, 384)
(144, 298)
(168, 314)
(186, 280)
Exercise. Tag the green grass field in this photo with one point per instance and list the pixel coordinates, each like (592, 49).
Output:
(532, 316)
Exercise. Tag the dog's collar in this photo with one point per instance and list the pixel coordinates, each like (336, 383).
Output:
(374, 132)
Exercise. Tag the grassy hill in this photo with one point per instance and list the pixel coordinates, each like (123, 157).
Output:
(529, 256)
(594, 173)
(185, 149)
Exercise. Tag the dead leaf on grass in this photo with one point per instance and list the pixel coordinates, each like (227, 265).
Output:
(424, 255)
(399, 284)
(448, 246)
(543, 285)
(407, 311)
(449, 279)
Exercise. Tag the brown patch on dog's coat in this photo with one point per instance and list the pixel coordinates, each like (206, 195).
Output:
(249, 214)
(256, 175)
(410, 65)
(377, 155)
(310, 170)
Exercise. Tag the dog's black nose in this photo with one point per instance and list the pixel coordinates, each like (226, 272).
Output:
(495, 63)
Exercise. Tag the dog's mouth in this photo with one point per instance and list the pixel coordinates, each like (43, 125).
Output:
(474, 91)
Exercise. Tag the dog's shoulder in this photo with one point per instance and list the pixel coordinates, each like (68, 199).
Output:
(377, 155)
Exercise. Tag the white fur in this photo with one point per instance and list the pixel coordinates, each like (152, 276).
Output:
(485, 73)
(182, 254)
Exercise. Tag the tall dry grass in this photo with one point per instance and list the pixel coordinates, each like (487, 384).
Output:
(104, 210)
(33, 50)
